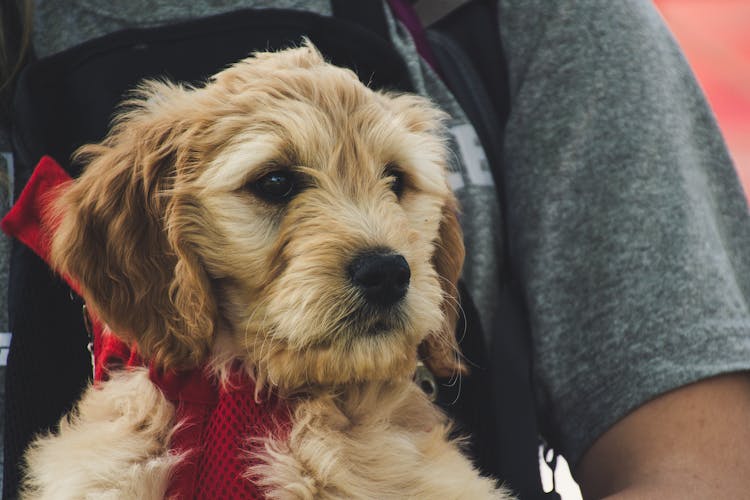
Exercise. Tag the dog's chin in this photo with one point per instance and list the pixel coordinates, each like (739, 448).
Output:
(371, 323)
(381, 349)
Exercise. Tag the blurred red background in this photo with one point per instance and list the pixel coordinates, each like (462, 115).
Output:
(715, 36)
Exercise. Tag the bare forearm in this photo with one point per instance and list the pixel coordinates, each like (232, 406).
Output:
(689, 443)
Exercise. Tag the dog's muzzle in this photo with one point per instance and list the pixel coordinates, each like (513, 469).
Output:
(382, 277)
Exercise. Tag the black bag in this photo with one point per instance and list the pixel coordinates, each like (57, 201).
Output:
(67, 100)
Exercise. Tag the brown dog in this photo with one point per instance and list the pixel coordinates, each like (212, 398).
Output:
(287, 219)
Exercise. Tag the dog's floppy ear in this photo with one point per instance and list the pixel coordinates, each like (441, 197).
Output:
(439, 351)
(115, 236)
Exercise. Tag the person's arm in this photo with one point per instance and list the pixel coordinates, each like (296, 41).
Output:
(631, 232)
(689, 443)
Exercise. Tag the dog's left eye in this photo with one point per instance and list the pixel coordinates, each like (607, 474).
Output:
(278, 186)
(397, 179)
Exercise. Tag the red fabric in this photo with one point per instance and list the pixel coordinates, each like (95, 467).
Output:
(30, 223)
(215, 424)
(27, 219)
(215, 427)
(110, 353)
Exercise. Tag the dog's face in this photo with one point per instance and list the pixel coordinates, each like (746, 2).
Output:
(284, 214)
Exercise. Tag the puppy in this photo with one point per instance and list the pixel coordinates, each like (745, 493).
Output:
(286, 222)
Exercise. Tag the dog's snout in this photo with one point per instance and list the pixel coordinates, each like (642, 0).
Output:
(383, 278)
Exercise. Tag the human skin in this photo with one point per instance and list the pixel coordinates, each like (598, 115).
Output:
(689, 443)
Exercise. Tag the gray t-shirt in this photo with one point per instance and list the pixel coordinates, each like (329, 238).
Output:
(624, 210)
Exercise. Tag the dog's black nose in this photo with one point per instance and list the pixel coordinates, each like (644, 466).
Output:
(382, 277)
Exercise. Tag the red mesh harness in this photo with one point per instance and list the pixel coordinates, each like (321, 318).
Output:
(217, 423)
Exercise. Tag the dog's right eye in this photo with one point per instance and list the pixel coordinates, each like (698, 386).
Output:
(398, 182)
(278, 186)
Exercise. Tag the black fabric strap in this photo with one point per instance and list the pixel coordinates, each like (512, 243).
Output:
(367, 13)
(474, 26)
(478, 78)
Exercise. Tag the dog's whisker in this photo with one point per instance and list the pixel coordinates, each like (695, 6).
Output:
(265, 347)
(247, 328)
(256, 354)
(452, 300)
(458, 379)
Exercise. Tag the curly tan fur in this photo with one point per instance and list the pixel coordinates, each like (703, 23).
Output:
(114, 445)
(177, 251)
(374, 441)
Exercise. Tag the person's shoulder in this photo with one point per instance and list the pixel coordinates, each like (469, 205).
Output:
(537, 16)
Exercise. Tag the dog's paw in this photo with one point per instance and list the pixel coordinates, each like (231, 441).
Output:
(113, 445)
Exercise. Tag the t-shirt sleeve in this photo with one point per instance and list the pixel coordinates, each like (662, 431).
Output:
(625, 214)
